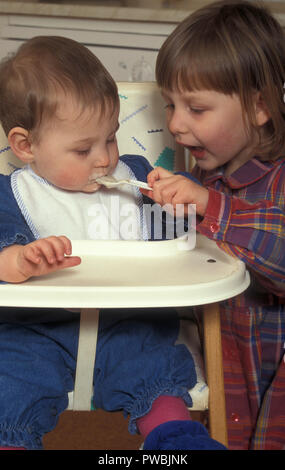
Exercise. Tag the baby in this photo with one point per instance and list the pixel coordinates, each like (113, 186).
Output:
(60, 107)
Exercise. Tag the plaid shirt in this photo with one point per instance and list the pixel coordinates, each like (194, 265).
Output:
(246, 217)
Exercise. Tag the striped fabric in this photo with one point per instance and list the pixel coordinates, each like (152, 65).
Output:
(246, 217)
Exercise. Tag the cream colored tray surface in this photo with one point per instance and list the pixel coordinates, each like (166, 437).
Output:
(120, 274)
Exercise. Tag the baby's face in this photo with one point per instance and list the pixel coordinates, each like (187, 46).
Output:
(77, 147)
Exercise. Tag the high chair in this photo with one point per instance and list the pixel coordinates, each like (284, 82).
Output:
(143, 131)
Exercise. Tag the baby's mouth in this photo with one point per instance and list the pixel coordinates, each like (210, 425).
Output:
(93, 178)
(92, 185)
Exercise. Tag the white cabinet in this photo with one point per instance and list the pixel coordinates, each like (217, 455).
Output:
(127, 49)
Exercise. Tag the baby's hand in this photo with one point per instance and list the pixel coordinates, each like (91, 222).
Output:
(176, 189)
(44, 256)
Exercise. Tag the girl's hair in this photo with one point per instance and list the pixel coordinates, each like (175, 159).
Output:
(45, 68)
(232, 48)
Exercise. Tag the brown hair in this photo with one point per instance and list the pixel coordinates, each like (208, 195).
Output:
(232, 48)
(44, 66)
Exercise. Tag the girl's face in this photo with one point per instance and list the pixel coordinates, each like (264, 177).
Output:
(76, 148)
(210, 124)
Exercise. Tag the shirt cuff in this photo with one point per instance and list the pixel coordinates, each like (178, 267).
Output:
(216, 219)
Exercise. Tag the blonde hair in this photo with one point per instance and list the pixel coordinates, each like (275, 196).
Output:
(33, 79)
(232, 48)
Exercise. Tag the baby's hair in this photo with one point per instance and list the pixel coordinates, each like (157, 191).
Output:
(232, 48)
(43, 70)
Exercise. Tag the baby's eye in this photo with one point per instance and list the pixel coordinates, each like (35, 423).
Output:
(83, 152)
(169, 105)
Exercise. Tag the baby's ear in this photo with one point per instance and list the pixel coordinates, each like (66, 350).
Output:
(18, 138)
(261, 111)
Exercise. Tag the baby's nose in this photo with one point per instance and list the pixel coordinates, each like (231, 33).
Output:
(102, 160)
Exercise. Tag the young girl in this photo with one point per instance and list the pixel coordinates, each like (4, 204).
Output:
(222, 75)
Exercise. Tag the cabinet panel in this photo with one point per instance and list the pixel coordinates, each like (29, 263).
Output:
(125, 65)
(128, 56)
(119, 39)
(131, 27)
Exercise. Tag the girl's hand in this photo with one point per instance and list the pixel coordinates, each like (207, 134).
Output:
(38, 258)
(176, 189)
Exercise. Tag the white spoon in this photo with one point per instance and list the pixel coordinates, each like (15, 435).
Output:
(111, 182)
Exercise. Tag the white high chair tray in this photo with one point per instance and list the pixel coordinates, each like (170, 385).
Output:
(122, 274)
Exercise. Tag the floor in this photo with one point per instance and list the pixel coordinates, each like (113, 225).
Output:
(95, 430)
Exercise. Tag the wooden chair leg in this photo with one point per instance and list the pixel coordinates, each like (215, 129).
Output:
(83, 388)
(214, 371)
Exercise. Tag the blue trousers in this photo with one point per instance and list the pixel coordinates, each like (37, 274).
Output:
(136, 361)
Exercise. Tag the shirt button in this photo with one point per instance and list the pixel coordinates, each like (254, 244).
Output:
(214, 228)
(235, 417)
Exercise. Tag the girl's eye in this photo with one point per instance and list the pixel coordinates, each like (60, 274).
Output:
(196, 110)
(111, 139)
(169, 106)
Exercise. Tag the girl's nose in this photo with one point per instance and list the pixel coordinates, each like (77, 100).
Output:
(177, 124)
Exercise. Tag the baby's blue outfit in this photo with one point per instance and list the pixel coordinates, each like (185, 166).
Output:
(136, 361)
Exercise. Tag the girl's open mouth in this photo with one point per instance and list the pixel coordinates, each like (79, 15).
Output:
(197, 152)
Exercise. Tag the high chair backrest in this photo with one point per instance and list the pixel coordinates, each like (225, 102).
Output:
(143, 130)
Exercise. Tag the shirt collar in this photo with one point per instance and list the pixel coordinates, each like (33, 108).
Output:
(249, 173)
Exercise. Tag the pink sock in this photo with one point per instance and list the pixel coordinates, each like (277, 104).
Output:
(12, 448)
(164, 408)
